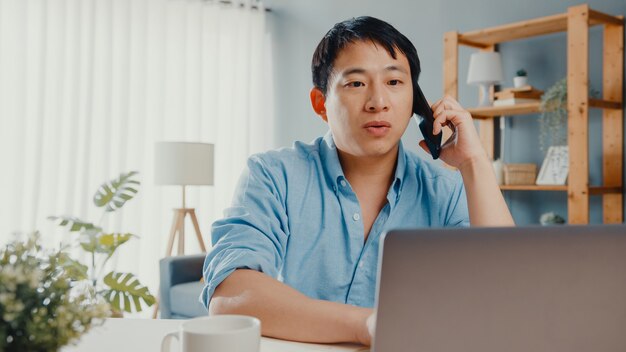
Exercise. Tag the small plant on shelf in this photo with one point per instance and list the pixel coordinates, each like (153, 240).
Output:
(520, 78)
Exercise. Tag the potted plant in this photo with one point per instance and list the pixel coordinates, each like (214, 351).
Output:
(553, 119)
(551, 218)
(40, 310)
(520, 78)
(122, 290)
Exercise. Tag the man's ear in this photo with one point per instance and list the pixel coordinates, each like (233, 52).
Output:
(318, 101)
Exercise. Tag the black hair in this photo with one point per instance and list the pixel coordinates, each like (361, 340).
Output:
(360, 29)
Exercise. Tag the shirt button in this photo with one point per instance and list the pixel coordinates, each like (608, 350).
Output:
(356, 216)
(360, 264)
(343, 183)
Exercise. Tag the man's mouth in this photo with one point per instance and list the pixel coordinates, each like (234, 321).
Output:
(377, 128)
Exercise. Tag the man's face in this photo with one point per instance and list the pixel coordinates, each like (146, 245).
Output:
(369, 100)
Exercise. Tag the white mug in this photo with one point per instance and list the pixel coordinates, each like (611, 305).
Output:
(217, 333)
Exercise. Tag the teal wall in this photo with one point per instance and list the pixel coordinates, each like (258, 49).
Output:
(297, 26)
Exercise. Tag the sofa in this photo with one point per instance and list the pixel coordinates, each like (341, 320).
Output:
(180, 287)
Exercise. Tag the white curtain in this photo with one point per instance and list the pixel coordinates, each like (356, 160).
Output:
(88, 86)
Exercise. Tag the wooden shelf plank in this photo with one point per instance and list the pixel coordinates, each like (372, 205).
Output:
(532, 188)
(593, 190)
(530, 28)
(597, 190)
(517, 30)
(489, 112)
(605, 104)
(597, 17)
(496, 111)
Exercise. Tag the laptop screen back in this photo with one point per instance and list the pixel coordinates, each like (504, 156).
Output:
(503, 289)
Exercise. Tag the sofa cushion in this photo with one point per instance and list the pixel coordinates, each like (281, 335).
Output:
(185, 301)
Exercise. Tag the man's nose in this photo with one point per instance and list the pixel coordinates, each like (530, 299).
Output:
(377, 100)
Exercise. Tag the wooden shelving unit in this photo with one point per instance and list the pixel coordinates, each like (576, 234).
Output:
(576, 23)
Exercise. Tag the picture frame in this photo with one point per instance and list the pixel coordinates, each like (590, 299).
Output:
(555, 167)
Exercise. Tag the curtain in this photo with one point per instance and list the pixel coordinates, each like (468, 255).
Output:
(88, 86)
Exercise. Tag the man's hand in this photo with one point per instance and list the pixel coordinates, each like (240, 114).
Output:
(466, 147)
(366, 333)
(485, 203)
(286, 313)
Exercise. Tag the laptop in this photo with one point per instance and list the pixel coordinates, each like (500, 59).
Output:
(521, 289)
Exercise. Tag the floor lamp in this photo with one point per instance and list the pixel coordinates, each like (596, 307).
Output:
(183, 164)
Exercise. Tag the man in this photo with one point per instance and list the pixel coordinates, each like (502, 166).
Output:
(298, 248)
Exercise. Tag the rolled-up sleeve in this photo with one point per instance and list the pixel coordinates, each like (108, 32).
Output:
(253, 233)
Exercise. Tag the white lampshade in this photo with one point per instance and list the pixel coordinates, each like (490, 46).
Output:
(485, 67)
(183, 163)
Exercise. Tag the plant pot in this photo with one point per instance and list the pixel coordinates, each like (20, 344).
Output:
(520, 81)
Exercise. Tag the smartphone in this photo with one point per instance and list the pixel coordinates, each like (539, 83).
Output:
(423, 110)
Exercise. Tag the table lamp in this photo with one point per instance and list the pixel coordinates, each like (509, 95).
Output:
(485, 69)
(183, 164)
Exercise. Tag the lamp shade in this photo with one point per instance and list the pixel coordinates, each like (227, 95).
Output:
(183, 163)
(485, 67)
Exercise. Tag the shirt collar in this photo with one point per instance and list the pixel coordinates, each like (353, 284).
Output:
(334, 172)
(330, 160)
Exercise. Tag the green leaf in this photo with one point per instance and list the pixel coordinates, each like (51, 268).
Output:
(115, 193)
(109, 242)
(89, 240)
(126, 292)
(74, 269)
(73, 223)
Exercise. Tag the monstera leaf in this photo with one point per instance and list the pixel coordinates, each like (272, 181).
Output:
(74, 224)
(108, 242)
(115, 193)
(126, 292)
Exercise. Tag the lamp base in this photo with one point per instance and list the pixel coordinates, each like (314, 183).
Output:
(485, 99)
(178, 227)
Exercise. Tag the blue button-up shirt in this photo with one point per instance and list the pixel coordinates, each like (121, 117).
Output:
(295, 218)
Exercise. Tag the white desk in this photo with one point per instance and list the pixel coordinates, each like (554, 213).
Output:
(122, 335)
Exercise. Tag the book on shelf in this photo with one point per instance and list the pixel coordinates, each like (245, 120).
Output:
(526, 93)
(514, 101)
(519, 89)
(522, 95)
(526, 88)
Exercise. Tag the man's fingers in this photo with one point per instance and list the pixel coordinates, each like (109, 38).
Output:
(445, 117)
(451, 103)
(371, 324)
(440, 119)
(436, 104)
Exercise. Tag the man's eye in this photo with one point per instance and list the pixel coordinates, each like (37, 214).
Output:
(355, 84)
(394, 82)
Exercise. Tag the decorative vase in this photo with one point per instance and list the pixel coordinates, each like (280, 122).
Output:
(520, 81)
(498, 169)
